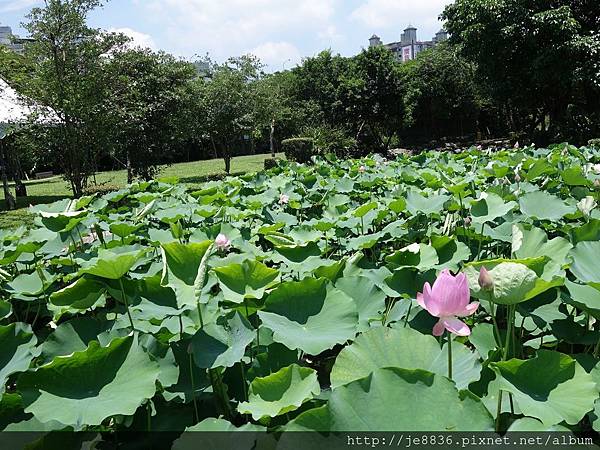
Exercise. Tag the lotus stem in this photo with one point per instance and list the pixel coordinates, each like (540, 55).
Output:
(244, 381)
(126, 304)
(449, 355)
(193, 387)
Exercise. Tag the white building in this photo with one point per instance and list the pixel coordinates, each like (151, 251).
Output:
(12, 42)
(409, 46)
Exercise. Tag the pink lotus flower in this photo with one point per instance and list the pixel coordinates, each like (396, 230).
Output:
(448, 299)
(362, 169)
(222, 242)
(283, 199)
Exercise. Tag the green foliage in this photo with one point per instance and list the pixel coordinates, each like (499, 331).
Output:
(538, 57)
(299, 149)
(121, 312)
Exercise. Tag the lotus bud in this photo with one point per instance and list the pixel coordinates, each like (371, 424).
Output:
(586, 205)
(284, 199)
(468, 221)
(597, 184)
(517, 177)
(517, 146)
(222, 242)
(486, 281)
(362, 169)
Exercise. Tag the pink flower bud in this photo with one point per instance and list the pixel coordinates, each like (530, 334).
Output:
(284, 199)
(486, 281)
(222, 242)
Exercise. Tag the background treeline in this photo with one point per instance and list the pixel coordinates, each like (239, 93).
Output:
(521, 68)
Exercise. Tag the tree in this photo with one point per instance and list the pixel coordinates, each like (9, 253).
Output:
(276, 113)
(372, 94)
(539, 58)
(147, 103)
(442, 96)
(69, 77)
(226, 102)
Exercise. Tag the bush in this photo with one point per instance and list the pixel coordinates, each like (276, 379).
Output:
(331, 140)
(298, 149)
(594, 143)
(100, 189)
(271, 163)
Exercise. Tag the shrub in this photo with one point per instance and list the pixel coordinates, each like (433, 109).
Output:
(334, 140)
(100, 189)
(298, 149)
(271, 163)
(594, 143)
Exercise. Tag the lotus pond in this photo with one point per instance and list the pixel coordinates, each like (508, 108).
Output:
(290, 300)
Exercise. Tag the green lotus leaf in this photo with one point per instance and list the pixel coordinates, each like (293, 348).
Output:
(369, 299)
(249, 279)
(82, 294)
(310, 315)
(404, 348)
(585, 263)
(221, 425)
(32, 284)
(544, 206)
(573, 176)
(414, 397)
(551, 387)
(362, 210)
(123, 229)
(451, 253)
(421, 256)
(13, 419)
(490, 207)
(433, 204)
(295, 253)
(72, 336)
(221, 434)
(530, 425)
(533, 242)
(191, 380)
(280, 392)
(222, 344)
(17, 349)
(5, 309)
(181, 263)
(584, 297)
(87, 387)
(113, 263)
(275, 357)
(62, 221)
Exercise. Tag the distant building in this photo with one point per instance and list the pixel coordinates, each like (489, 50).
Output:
(11, 41)
(409, 46)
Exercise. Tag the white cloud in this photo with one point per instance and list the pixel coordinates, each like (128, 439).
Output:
(277, 55)
(386, 13)
(16, 5)
(229, 27)
(138, 40)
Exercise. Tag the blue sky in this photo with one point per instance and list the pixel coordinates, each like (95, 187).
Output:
(280, 32)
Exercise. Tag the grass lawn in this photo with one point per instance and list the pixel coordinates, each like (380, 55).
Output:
(53, 189)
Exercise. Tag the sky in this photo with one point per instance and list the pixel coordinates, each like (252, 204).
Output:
(279, 32)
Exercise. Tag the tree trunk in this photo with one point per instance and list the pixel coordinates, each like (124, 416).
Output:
(227, 157)
(214, 147)
(20, 188)
(9, 200)
(272, 138)
(129, 169)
